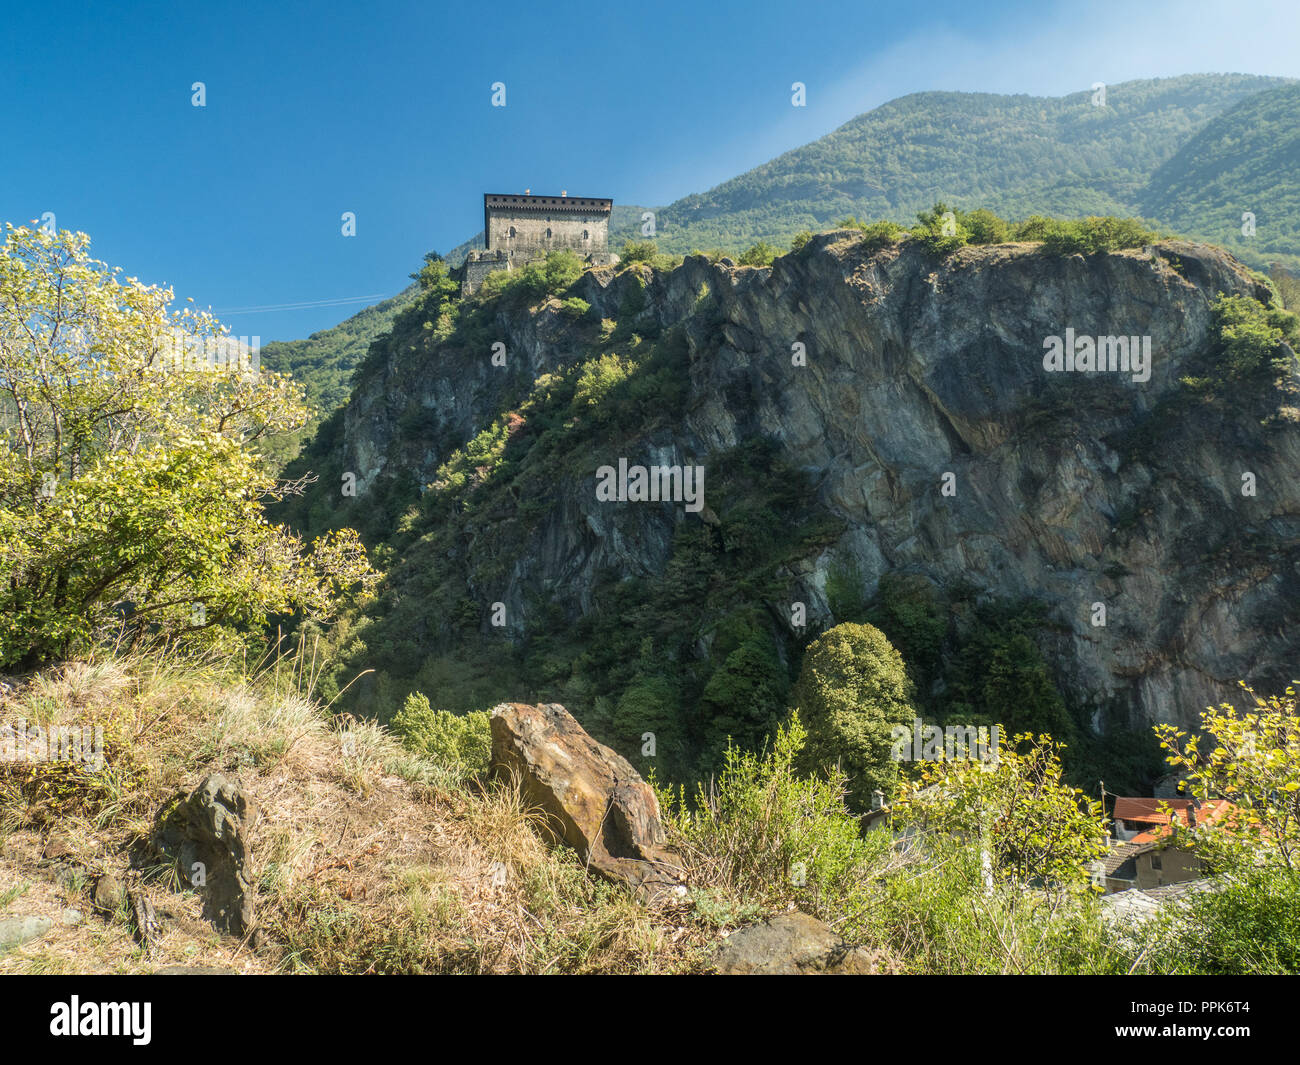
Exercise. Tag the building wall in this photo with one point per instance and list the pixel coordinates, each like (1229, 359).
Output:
(526, 234)
(1175, 867)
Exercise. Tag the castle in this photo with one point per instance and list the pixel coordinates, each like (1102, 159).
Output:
(518, 230)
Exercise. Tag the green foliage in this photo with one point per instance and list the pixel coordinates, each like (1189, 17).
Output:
(575, 308)
(745, 696)
(461, 743)
(763, 836)
(1251, 759)
(1248, 926)
(1250, 336)
(915, 621)
(596, 380)
(132, 495)
(638, 251)
(760, 254)
(1089, 236)
(852, 689)
(800, 239)
(1034, 828)
(984, 227)
(940, 230)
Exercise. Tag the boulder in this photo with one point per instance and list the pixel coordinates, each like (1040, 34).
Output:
(109, 894)
(206, 834)
(589, 797)
(796, 944)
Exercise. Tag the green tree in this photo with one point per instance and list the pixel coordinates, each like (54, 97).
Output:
(852, 689)
(133, 484)
(1251, 759)
(1033, 828)
(744, 697)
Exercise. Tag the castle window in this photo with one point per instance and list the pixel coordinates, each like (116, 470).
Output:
(548, 234)
(586, 235)
(512, 232)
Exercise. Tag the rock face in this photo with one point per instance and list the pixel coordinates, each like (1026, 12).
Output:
(590, 797)
(921, 371)
(205, 833)
(795, 944)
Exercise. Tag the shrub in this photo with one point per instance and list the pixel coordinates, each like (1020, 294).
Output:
(940, 230)
(1249, 926)
(763, 836)
(461, 743)
(575, 308)
(597, 379)
(1250, 335)
(1095, 234)
(638, 251)
(985, 227)
(800, 239)
(760, 254)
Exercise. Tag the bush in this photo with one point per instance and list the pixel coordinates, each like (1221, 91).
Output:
(760, 254)
(1250, 335)
(596, 380)
(1094, 235)
(575, 308)
(800, 239)
(638, 251)
(1251, 926)
(985, 227)
(940, 230)
(462, 744)
(763, 837)
(852, 689)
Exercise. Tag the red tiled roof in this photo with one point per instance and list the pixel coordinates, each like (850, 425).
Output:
(1132, 809)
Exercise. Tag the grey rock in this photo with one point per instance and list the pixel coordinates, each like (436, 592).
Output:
(205, 833)
(71, 917)
(14, 931)
(796, 944)
(109, 894)
(1070, 488)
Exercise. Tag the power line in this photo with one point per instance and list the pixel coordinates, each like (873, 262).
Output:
(302, 305)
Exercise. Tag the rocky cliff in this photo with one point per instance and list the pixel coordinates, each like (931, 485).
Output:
(912, 391)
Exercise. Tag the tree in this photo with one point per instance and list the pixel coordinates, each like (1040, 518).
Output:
(1253, 761)
(744, 696)
(1034, 828)
(852, 689)
(132, 489)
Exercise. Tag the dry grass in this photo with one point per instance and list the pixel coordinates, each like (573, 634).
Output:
(367, 858)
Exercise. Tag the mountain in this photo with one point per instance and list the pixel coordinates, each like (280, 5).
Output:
(1015, 155)
(879, 440)
(1189, 152)
(1247, 159)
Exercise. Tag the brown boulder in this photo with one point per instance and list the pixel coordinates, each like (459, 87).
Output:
(796, 944)
(589, 796)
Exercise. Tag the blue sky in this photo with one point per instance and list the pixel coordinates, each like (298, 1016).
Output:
(384, 109)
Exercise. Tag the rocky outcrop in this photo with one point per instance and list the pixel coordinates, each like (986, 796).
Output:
(796, 944)
(588, 797)
(205, 833)
(920, 406)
